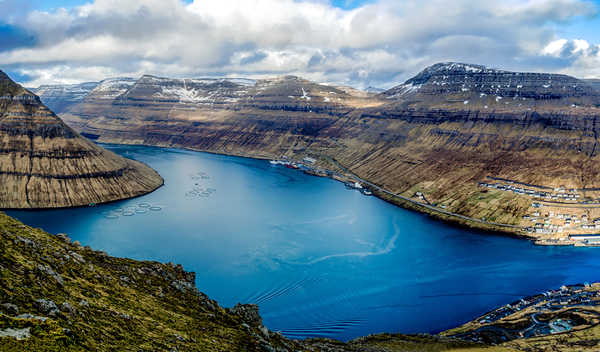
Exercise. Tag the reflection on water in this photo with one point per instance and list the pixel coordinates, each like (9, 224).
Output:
(320, 260)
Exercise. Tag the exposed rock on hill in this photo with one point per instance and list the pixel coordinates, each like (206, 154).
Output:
(44, 163)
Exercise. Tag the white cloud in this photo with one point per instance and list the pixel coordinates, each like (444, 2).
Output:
(554, 47)
(379, 43)
(578, 57)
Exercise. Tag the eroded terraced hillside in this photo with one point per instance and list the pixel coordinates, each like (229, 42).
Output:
(46, 164)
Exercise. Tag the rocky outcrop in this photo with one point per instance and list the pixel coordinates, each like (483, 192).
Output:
(248, 313)
(46, 164)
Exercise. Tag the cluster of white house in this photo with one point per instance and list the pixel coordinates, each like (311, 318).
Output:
(568, 220)
(560, 193)
(567, 295)
(586, 238)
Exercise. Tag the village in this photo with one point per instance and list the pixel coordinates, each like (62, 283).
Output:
(558, 216)
(556, 311)
(556, 195)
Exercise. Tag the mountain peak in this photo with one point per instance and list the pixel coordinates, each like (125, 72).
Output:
(468, 83)
(457, 66)
(449, 68)
(8, 86)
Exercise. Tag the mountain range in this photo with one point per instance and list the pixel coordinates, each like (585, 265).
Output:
(461, 141)
(431, 140)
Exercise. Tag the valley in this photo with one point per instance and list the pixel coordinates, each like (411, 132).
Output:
(299, 176)
(451, 142)
(438, 136)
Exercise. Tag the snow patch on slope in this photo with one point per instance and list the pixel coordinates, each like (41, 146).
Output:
(113, 87)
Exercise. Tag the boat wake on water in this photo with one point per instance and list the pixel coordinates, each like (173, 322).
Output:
(390, 246)
(282, 290)
(323, 329)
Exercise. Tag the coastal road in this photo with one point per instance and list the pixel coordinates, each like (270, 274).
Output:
(426, 206)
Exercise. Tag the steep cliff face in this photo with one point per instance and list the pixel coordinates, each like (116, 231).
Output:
(44, 163)
(264, 117)
(440, 133)
(538, 128)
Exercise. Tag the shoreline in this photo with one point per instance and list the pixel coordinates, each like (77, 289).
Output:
(435, 213)
(403, 202)
(89, 206)
(412, 205)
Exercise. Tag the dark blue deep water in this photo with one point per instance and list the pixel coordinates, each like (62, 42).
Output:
(320, 260)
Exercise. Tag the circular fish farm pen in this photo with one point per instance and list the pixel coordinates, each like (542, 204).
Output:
(198, 191)
(141, 208)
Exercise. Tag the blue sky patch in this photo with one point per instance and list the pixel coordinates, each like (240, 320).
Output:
(16, 75)
(12, 37)
(49, 5)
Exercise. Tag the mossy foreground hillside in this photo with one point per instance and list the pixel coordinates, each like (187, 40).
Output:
(59, 296)
(56, 295)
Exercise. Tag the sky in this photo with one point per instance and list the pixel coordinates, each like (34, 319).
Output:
(361, 43)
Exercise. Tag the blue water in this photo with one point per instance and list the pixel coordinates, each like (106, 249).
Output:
(320, 260)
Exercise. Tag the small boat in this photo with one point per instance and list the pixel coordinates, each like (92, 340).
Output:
(354, 185)
(366, 192)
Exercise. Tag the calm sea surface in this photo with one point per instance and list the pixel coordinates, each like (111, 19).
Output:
(319, 259)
